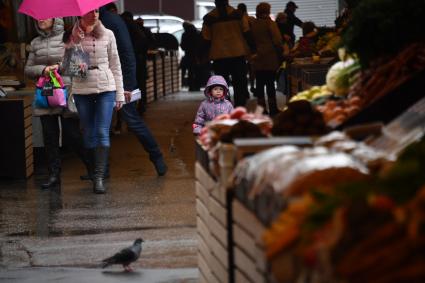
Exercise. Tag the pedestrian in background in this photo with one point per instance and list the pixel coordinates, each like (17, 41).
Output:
(140, 46)
(190, 44)
(305, 46)
(45, 55)
(227, 34)
(96, 94)
(216, 103)
(269, 48)
(251, 72)
(129, 112)
(292, 21)
(282, 23)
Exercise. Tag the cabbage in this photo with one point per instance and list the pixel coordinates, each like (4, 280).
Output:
(339, 76)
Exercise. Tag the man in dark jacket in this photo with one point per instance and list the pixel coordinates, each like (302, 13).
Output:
(190, 44)
(292, 20)
(128, 66)
(227, 32)
(140, 47)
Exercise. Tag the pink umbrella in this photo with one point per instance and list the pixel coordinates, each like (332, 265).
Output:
(46, 9)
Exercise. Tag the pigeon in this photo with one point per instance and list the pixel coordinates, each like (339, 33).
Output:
(125, 256)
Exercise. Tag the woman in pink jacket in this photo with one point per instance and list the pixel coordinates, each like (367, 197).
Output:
(96, 94)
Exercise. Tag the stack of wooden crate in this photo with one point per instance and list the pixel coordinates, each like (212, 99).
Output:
(168, 78)
(159, 77)
(213, 229)
(175, 73)
(150, 83)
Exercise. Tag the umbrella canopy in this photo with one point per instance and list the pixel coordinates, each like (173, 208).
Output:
(46, 9)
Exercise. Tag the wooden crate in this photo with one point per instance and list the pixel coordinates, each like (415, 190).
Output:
(250, 264)
(150, 83)
(16, 148)
(176, 76)
(212, 226)
(159, 77)
(168, 83)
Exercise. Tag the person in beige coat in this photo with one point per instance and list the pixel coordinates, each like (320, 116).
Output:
(45, 55)
(269, 42)
(226, 31)
(96, 94)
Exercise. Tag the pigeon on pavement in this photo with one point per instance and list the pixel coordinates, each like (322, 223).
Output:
(125, 256)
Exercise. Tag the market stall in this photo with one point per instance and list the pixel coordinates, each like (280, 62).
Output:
(346, 204)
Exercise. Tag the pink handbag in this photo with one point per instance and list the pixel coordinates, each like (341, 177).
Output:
(52, 91)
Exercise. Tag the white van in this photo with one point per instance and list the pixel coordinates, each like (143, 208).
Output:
(161, 22)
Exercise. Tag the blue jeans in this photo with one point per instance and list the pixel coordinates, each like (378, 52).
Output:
(136, 124)
(95, 112)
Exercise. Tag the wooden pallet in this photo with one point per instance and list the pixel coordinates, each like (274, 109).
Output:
(212, 228)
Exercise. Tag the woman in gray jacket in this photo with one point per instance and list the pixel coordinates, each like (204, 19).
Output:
(96, 94)
(45, 55)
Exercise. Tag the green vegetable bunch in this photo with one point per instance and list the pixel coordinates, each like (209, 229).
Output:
(379, 29)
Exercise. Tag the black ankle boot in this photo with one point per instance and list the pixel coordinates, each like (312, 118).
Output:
(98, 186)
(160, 166)
(100, 163)
(52, 181)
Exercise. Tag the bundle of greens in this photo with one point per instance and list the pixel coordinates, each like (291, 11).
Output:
(379, 29)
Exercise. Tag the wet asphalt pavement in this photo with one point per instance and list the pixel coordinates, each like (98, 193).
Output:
(62, 234)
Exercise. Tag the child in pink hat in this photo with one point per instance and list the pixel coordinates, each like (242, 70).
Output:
(216, 103)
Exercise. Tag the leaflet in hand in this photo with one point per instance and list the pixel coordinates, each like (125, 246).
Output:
(135, 95)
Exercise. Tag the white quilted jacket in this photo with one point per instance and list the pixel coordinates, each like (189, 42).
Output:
(46, 49)
(105, 68)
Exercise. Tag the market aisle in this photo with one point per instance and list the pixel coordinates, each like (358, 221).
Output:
(73, 227)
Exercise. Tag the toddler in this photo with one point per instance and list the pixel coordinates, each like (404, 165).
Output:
(216, 103)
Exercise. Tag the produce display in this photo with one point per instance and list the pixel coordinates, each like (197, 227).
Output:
(333, 99)
(239, 123)
(376, 39)
(343, 211)
(226, 127)
(298, 119)
(349, 89)
(384, 57)
(385, 76)
(319, 41)
(366, 231)
(334, 159)
(328, 43)
(344, 208)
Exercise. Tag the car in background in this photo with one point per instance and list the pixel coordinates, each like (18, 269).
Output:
(160, 22)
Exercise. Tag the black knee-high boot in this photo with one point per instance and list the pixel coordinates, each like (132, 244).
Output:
(54, 167)
(101, 155)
